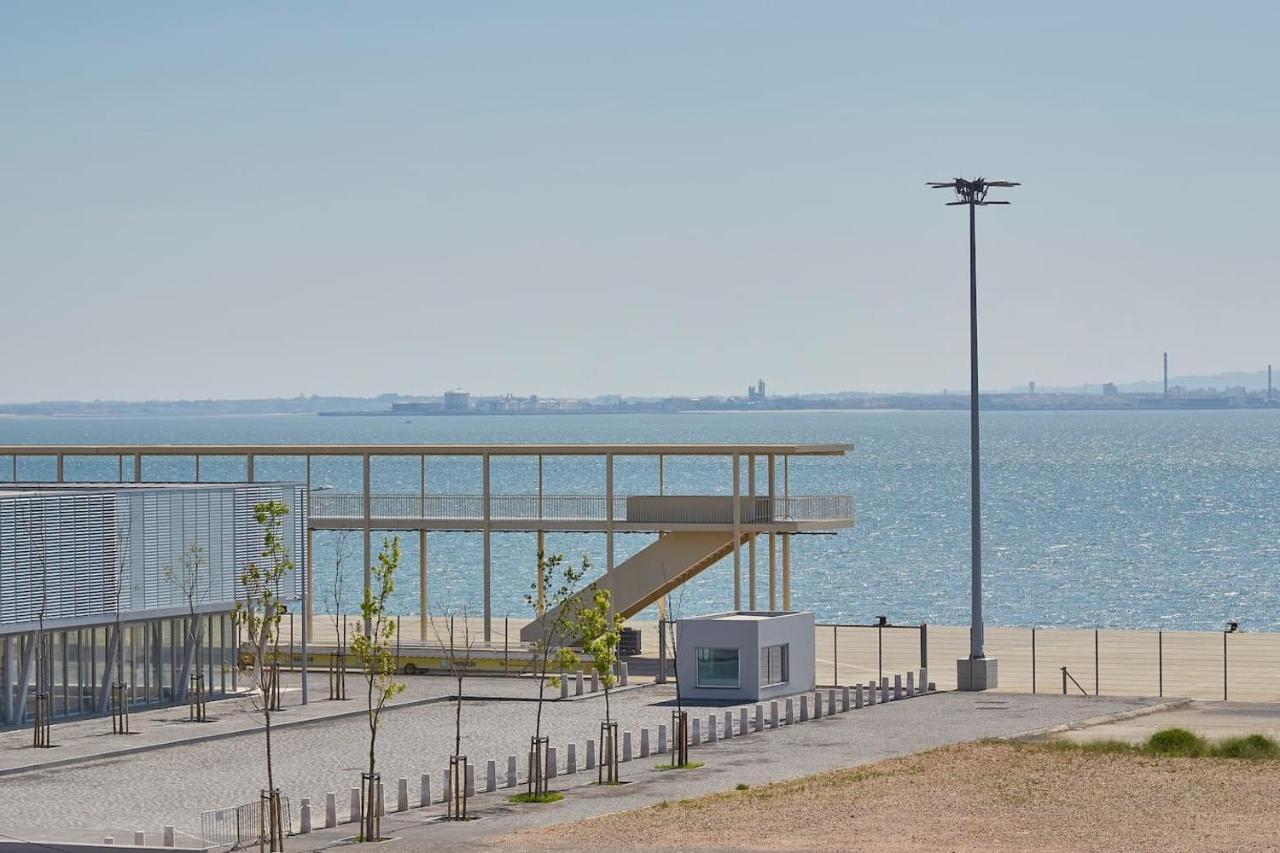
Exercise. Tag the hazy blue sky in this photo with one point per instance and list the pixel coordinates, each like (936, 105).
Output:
(224, 199)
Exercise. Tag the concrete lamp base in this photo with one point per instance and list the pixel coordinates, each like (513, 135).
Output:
(976, 674)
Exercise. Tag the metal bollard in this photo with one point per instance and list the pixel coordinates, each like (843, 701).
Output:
(491, 775)
(330, 810)
(644, 743)
(424, 790)
(571, 759)
(512, 781)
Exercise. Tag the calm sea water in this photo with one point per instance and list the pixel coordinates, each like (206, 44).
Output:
(1111, 519)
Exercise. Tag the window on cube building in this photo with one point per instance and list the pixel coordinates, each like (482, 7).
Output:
(717, 667)
(773, 665)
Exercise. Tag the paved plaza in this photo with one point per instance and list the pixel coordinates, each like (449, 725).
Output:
(318, 749)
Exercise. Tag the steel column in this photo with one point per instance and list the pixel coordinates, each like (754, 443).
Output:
(751, 543)
(737, 533)
(488, 520)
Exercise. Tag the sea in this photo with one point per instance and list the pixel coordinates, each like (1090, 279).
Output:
(1152, 519)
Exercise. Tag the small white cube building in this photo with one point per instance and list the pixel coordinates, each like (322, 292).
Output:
(745, 656)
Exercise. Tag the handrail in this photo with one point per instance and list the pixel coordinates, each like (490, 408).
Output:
(1065, 676)
(529, 507)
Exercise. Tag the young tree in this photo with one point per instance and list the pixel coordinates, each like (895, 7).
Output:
(192, 581)
(555, 618)
(258, 613)
(456, 650)
(338, 665)
(600, 630)
(373, 649)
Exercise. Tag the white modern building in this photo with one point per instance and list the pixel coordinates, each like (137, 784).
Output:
(745, 656)
(92, 593)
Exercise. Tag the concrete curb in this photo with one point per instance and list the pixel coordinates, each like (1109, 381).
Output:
(287, 724)
(1100, 720)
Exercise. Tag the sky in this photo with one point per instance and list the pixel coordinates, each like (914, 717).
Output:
(243, 200)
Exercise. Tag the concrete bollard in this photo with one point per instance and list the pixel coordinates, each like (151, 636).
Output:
(932, 687)
(424, 790)
(911, 683)
(330, 810)
(696, 737)
(728, 724)
(897, 685)
(804, 707)
(662, 738)
(577, 685)
(644, 743)
(402, 794)
(471, 779)
(742, 721)
(885, 695)
(857, 696)
(139, 839)
(595, 681)
(844, 699)
(831, 702)
(491, 775)
(110, 839)
(871, 693)
(817, 704)
(512, 779)
(790, 716)
(711, 729)
(759, 717)
(382, 801)
(626, 746)
(923, 680)
(773, 715)
(355, 805)
(622, 673)
(564, 687)
(304, 816)
(448, 786)
(591, 754)
(571, 759)
(168, 830)
(551, 762)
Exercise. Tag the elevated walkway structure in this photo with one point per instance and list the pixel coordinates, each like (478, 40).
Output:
(695, 531)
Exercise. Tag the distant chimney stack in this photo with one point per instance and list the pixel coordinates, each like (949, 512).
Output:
(1166, 376)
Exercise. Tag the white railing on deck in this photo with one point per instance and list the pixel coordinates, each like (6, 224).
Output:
(759, 510)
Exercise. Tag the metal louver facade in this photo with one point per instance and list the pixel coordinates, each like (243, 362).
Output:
(78, 553)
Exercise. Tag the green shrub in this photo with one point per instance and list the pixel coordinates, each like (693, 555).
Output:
(547, 797)
(1177, 742)
(1252, 746)
(743, 786)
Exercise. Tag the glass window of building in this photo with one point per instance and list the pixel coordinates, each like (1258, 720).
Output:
(717, 667)
(773, 665)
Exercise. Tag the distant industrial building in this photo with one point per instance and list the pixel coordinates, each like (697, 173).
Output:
(91, 589)
(755, 394)
(457, 401)
(1109, 389)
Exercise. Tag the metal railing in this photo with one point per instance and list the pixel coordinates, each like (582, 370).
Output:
(859, 635)
(471, 508)
(240, 825)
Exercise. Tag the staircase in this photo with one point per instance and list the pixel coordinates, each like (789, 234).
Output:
(650, 574)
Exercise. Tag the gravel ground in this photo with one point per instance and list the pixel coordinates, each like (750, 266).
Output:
(986, 796)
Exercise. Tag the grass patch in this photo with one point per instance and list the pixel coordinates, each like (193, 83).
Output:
(548, 797)
(691, 765)
(743, 786)
(1179, 743)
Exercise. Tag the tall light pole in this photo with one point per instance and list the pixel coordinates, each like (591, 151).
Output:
(977, 672)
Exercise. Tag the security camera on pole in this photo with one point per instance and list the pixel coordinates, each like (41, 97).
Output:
(976, 672)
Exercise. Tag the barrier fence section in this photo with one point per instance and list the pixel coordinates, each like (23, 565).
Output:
(240, 825)
(1211, 665)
